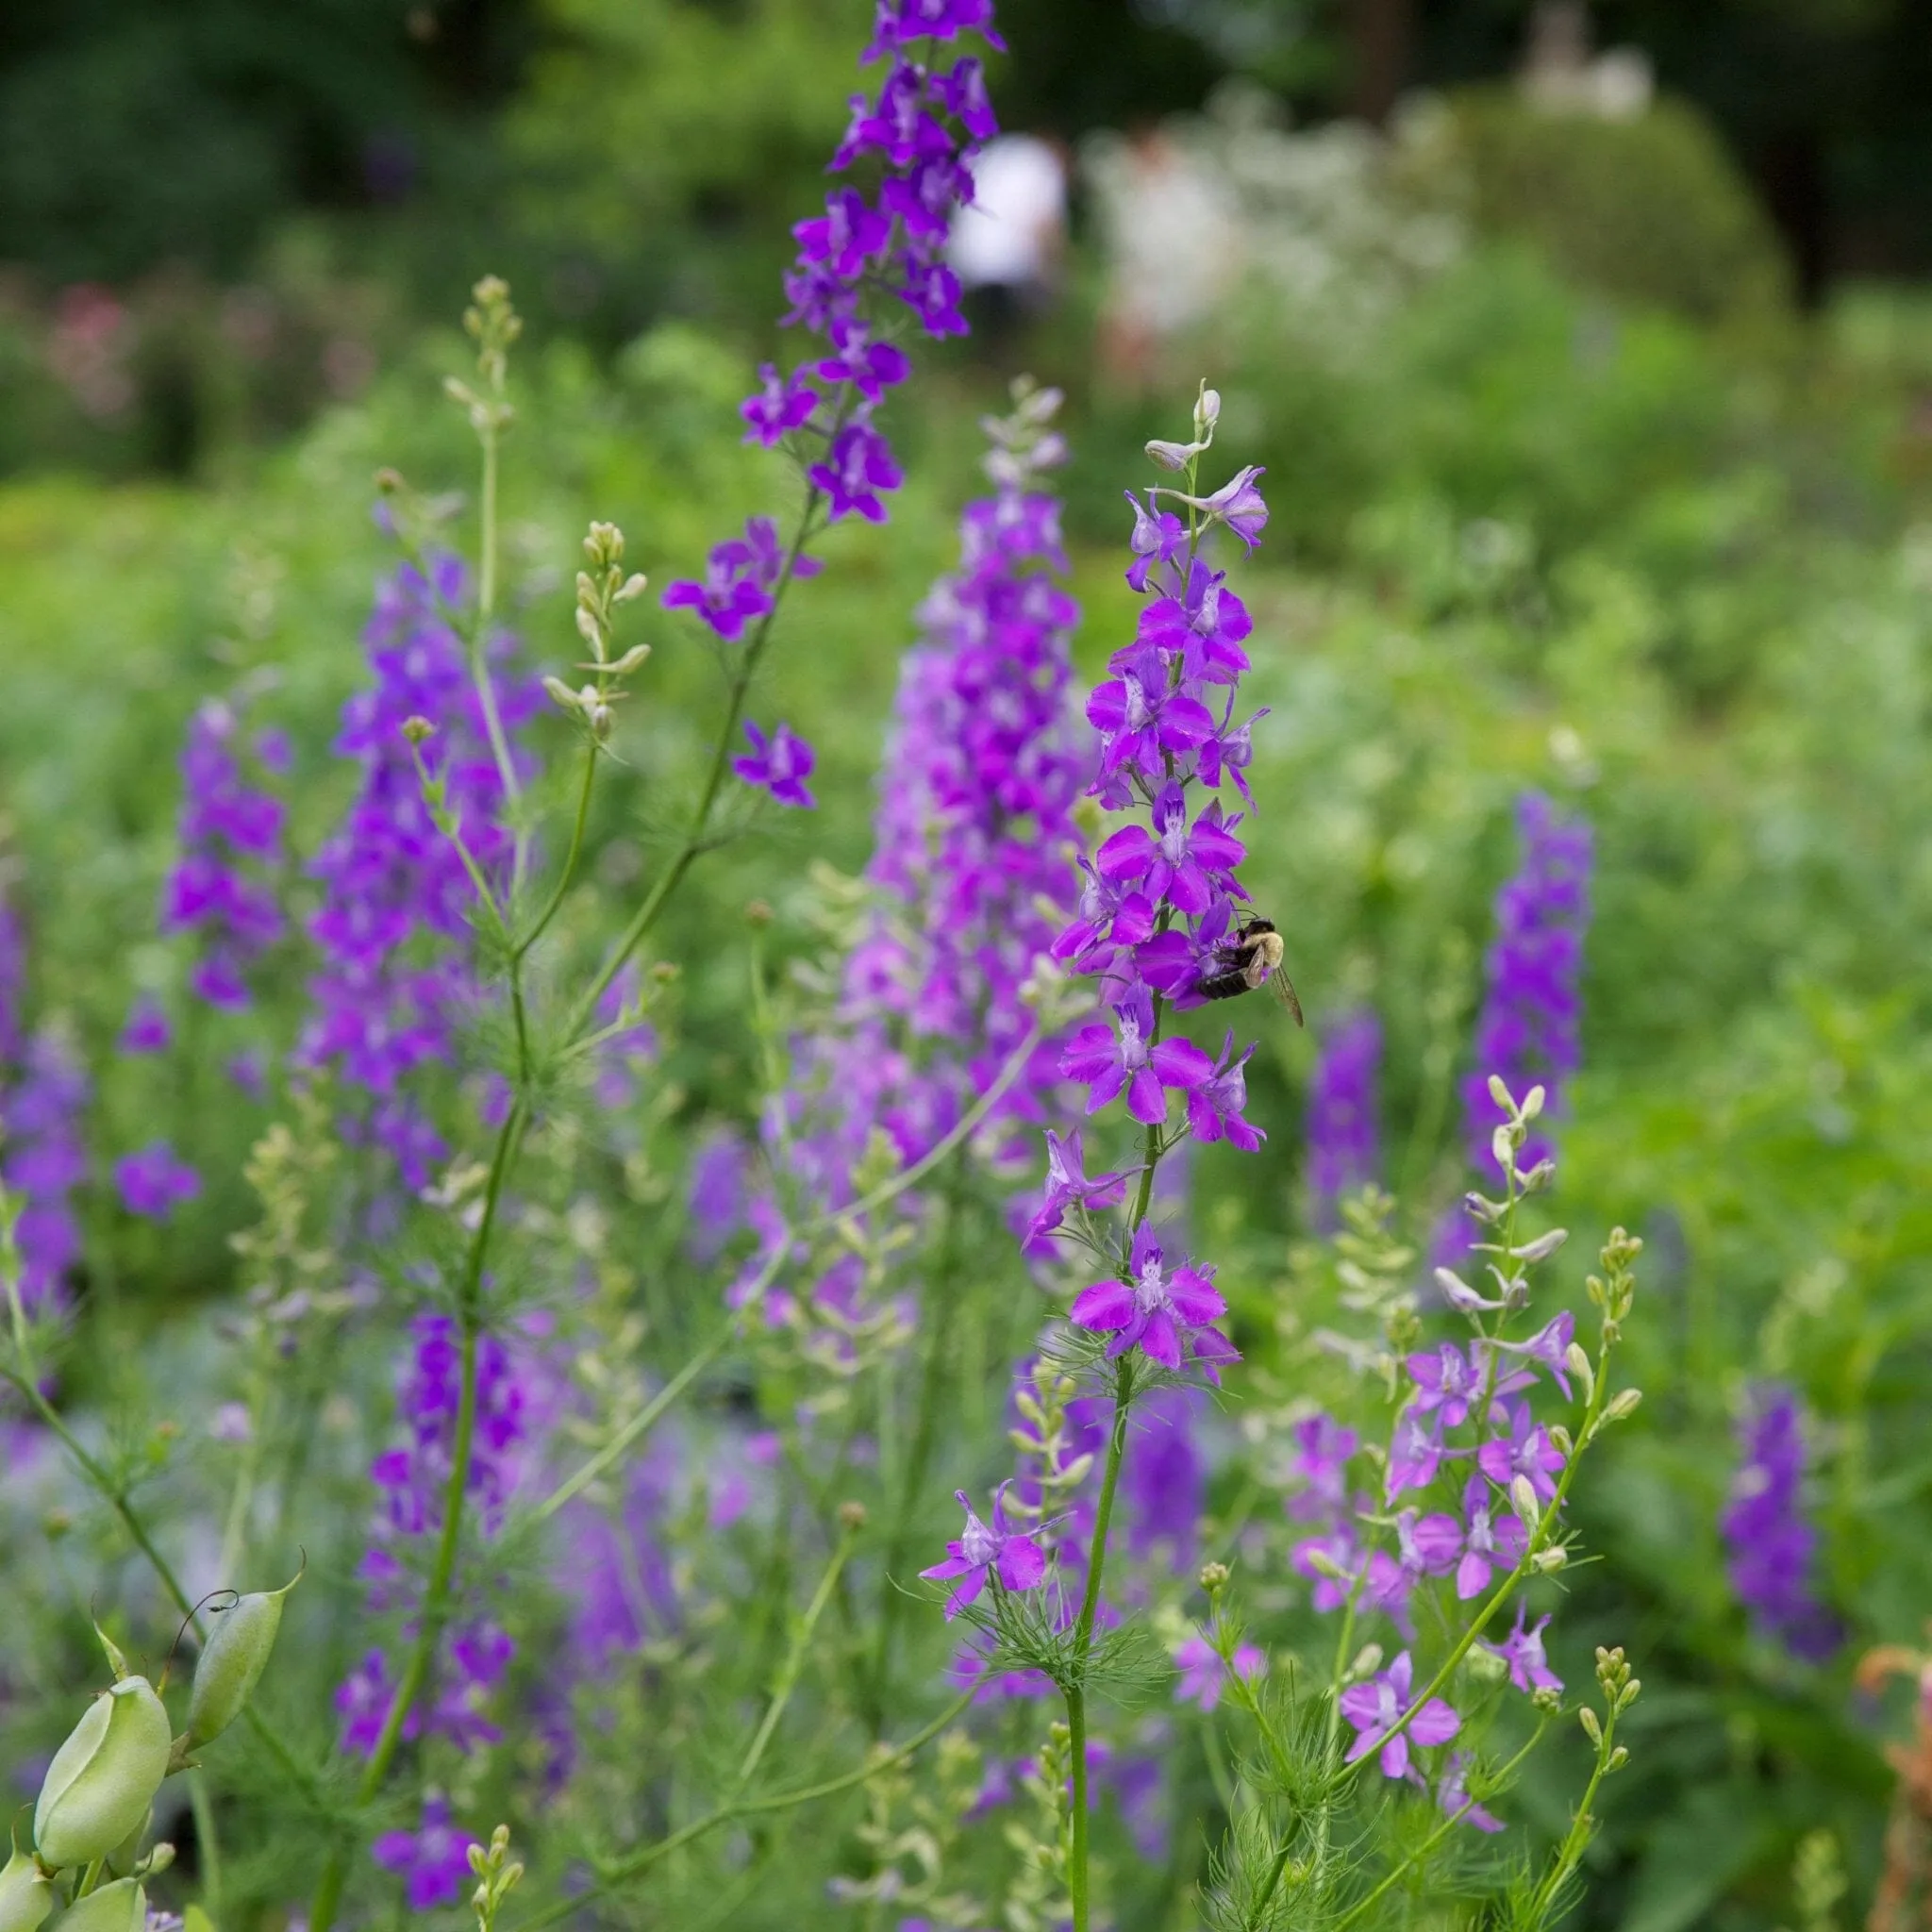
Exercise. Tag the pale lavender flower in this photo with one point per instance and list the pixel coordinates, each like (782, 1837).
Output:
(1377, 1706)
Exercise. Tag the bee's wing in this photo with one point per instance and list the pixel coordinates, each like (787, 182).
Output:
(1282, 987)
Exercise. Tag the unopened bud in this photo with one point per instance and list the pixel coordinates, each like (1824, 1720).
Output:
(1503, 1148)
(118, 1907)
(1547, 1699)
(630, 660)
(416, 728)
(1560, 1436)
(1207, 413)
(633, 586)
(758, 912)
(852, 1515)
(604, 544)
(1533, 1105)
(389, 482)
(232, 1662)
(103, 1777)
(1172, 456)
(1619, 1759)
(1214, 1577)
(1522, 1493)
(1576, 1359)
(1592, 1729)
(25, 1895)
(1484, 1209)
(1542, 1248)
(1322, 1564)
(1621, 1403)
(1553, 1559)
(588, 626)
(1538, 1177)
(479, 1899)
(1628, 1695)
(1368, 1661)
(1501, 1094)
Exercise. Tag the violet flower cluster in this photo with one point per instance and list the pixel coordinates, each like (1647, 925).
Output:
(44, 1094)
(1344, 1151)
(1772, 1544)
(975, 846)
(396, 899)
(222, 887)
(1528, 1032)
(412, 1480)
(871, 263)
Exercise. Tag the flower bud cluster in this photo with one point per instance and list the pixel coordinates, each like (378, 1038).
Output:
(600, 590)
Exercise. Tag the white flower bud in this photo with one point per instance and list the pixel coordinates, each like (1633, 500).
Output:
(1592, 1729)
(1173, 455)
(1534, 1105)
(1207, 415)
(1522, 1493)
(1501, 1096)
(1577, 1362)
(633, 586)
(232, 1665)
(118, 1907)
(1542, 1248)
(561, 693)
(1621, 1403)
(1503, 1148)
(630, 660)
(1548, 1561)
(587, 628)
(1619, 1759)
(1368, 1661)
(103, 1777)
(25, 1895)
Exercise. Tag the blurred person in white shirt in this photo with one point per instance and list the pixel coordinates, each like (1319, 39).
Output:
(1007, 242)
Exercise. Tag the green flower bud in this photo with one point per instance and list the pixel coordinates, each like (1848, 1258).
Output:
(232, 1662)
(118, 1907)
(103, 1777)
(25, 1895)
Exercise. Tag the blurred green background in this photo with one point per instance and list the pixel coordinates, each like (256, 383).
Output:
(1599, 439)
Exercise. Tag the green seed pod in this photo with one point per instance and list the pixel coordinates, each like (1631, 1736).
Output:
(232, 1663)
(25, 1895)
(103, 1777)
(118, 1907)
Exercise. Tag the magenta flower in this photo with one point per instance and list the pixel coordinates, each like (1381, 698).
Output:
(1214, 1107)
(779, 765)
(904, 23)
(1177, 862)
(1108, 1061)
(1375, 1708)
(1143, 723)
(872, 367)
(1528, 1451)
(1067, 1185)
(1158, 538)
(1414, 1455)
(1204, 1675)
(1446, 1381)
(856, 466)
(1203, 626)
(434, 1860)
(1152, 1311)
(1014, 1557)
(1550, 1346)
(1428, 1545)
(153, 1182)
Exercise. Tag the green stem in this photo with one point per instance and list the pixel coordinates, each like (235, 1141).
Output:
(1083, 1638)
(208, 1851)
(567, 876)
(1581, 1827)
(609, 1876)
(787, 1680)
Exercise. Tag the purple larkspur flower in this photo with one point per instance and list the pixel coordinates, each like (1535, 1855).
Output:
(1527, 1031)
(1451, 1794)
(980, 1550)
(1124, 1058)
(1204, 1675)
(779, 765)
(147, 1029)
(155, 1181)
(1067, 1184)
(1343, 1140)
(433, 1860)
(856, 470)
(1215, 1106)
(1156, 1310)
(1492, 1537)
(781, 404)
(1772, 1544)
(1377, 1706)
(1522, 1651)
(1525, 1451)
(1179, 863)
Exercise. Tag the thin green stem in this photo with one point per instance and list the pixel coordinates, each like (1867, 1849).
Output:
(789, 1672)
(567, 876)
(1582, 1826)
(207, 1849)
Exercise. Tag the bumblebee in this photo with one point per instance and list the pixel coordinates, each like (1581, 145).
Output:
(1246, 962)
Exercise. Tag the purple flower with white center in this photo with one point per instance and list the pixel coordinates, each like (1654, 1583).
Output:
(1549, 1347)
(1202, 628)
(740, 580)
(1344, 1151)
(1492, 1537)
(1144, 724)
(1415, 1454)
(433, 1860)
(1527, 1030)
(231, 836)
(905, 22)
(155, 1182)
(1229, 752)
(1528, 1451)
(1126, 1057)
(1426, 1545)
(1179, 863)
(1012, 1556)
(1375, 1707)
(1772, 1544)
(1067, 1184)
(1448, 1381)
(870, 366)
(147, 1029)
(1155, 1309)
(1522, 1651)
(1204, 1675)
(1214, 1107)
(779, 764)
